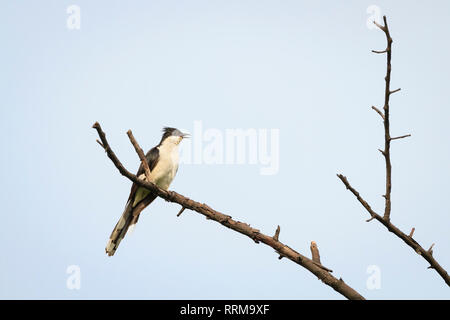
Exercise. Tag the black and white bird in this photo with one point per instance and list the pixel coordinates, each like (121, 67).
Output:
(163, 163)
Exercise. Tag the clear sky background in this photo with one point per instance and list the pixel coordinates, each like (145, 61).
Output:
(303, 67)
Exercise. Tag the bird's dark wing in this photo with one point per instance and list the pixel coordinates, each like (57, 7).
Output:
(152, 159)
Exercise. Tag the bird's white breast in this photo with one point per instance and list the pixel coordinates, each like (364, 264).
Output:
(167, 166)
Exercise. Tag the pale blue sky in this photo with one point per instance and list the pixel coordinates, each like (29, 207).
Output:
(303, 67)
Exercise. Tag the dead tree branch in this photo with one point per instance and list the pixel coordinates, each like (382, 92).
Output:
(316, 256)
(283, 250)
(315, 252)
(385, 219)
(140, 154)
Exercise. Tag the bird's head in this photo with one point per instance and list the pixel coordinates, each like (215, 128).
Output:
(173, 135)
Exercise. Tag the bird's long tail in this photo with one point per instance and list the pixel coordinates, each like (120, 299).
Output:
(128, 219)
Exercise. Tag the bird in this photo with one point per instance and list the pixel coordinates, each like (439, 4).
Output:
(163, 161)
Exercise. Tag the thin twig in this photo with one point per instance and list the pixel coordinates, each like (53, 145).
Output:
(401, 137)
(98, 141)
(140, 154)
(315, 252)
(431, 249)
(316, 256)
(181, 211)
(277, 234)
(379, 26)
(378, 111)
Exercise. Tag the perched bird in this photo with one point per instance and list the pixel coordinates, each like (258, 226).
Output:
(163, 163)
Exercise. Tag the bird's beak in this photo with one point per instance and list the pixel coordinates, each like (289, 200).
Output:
(185, 135)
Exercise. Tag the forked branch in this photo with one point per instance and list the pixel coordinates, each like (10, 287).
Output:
(283, 250)
(385, 219)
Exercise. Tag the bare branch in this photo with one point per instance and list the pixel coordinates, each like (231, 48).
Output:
(316, 256)
(356, 193)
(378, 111)
(98, 141)
(430, 251)
(376, 51)
(385, 220)
(378, 25)
(315, 252)
(407, 239)
(401, 137)
(240, 227)
(181, 211)
(140, 154)
(387, 140)
(277, 234)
